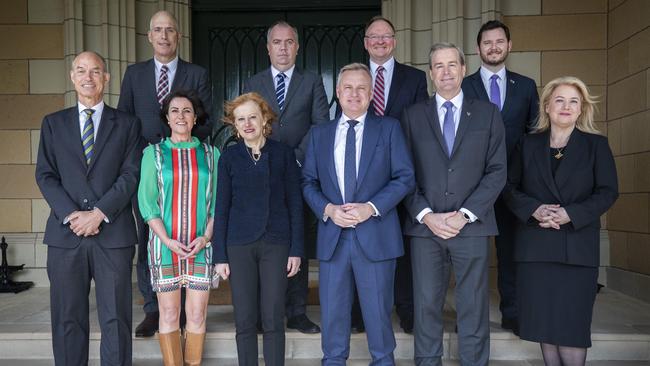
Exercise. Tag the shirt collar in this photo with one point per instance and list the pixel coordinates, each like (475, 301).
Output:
(172, 65)
(457, 100)
(388, 66)
(487, 74)
(344, 119)
(287, 73)
(98, 108)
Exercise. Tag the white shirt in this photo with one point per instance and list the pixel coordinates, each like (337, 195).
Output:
(287, 78)
(501, 81)
(457, 101)
(171, 70)
(97, 117)
(389, 66)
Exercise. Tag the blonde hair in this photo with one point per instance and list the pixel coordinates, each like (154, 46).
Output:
(267, 112)
(585, 121)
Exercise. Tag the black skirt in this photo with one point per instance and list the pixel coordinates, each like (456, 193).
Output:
(556, 303)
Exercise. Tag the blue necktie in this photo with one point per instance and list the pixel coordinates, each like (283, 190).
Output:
(448, 128)
(495, 92)
(350, 170)
(279, 91)
(88, 135)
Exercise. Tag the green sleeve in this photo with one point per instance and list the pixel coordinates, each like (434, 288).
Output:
(148, 189)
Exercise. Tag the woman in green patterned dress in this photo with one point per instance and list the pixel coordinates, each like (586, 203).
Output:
(176, 198)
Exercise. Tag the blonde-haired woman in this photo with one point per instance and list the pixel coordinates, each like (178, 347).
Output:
(561, 180)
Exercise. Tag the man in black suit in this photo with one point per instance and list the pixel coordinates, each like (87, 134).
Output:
(459, 155)
(516, 96)
(87, 169)
(144, 87)
(298, 98)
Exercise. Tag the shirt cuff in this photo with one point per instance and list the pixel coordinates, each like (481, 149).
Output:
(66, 221)
(374, 208)
(469, 213)
(420, 216)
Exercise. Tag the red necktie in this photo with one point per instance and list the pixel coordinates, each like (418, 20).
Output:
(163, 85)
(378, 94)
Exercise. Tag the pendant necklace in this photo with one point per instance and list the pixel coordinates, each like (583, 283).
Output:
(559, 154)
(254, 157)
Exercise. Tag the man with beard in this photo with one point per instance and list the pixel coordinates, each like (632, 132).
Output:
(516, 97)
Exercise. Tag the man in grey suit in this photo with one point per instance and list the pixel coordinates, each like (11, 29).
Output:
(87, 169)
(459, 154)
(144, 87)
(298, 98)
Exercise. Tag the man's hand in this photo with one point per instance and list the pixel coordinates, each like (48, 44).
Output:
(457, 221)
(360, 211)
(436, 222)
(341, 218)
(86, 223)
(293, 266)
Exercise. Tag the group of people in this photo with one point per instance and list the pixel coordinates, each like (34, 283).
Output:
(402, 188)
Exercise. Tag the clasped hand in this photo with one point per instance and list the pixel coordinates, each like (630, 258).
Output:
(445, 225)
(86, 223)
(349, 214)
(187, 251)
(551, 216)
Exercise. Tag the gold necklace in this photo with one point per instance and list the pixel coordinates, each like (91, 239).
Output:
(559, 154)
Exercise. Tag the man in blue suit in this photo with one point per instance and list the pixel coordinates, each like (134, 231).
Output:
(357, 169)
(516, 97)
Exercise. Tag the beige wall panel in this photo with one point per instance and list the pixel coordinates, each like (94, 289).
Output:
(40, 213)
(35, 137)
(627, 96)
(13, 12)
(15, 147)
(574, 6)
(638, 248)
(18, 182)
(421, 15)
(628, 19)
(142, 48)
(32, 41)
(635, 133)
(629, 213)
(27, 111)
(602, 127)
(590, 66)
(15, 216)
(525, 63)
(519, 7)
(647, 88)
(46, 11)
(642, 172)
(40, 253)
(618, 249)
(14, 78)
(618, 61)
(473, 62)
(640, 50)
(420, 46)
(470, 28)
(21, 248)
(558, 32)
(47, 76)
(143, 12)
(615, 3)
(614, 136)
(625, 172)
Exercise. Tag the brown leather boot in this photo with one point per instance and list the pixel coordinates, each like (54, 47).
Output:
(193, 348)
(170, 347)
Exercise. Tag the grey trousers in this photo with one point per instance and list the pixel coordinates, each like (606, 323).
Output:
(432, 260)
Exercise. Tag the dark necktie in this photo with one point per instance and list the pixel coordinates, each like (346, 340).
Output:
(350, 170)
(378, 101)
(163, 85)
(279, 91)
(495, 92)
(88, 135)
(448, 128)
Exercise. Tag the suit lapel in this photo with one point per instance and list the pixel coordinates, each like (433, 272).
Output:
(463, 123)
(544, 164)
(431, 111)
(328, 154)
(179, 77)
(479, 88)
(72, 120)
(395, 86)
(370, 136)
(149, 82)
(575, 153)
(294, 85)
(268, 87)
(105, 128)
(511, 84)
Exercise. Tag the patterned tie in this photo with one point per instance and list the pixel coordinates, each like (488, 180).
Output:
(448, 130)
(163, 85)
(350, 170)
(88, 135)
(279, 91)
(495, 92)
(378, 94)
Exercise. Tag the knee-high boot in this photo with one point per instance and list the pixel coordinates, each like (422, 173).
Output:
(170, 347)
(193, 348)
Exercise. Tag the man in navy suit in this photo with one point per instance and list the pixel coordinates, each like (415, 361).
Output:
(516, 96)
(144, 87)
(357, 169)
(87, 169)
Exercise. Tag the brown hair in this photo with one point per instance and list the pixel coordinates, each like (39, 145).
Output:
(267, 113)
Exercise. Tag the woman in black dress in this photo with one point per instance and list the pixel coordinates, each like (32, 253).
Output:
(561, 180)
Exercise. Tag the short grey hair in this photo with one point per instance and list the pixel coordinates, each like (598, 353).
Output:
(355, 66)
(445, 46)
(281, 23)
(169, 14)
(100, 57)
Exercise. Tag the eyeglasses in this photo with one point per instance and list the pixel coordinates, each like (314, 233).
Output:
(385, 37)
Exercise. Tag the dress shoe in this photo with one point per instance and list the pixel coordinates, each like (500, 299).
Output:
(149, 326)
(357, 326)
(511, 324)
(302, 324)
(406, 322)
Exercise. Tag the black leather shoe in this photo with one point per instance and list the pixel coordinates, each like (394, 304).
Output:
(357, 326)
(302, 324)
(406, 322)
(511, 324)
(148, 327)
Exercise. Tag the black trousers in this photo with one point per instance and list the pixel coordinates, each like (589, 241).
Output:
(263, 265)
(506, 266)
(70, 272)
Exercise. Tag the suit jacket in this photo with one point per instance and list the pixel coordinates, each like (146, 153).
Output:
(305, 105)
(472, 177)
(108, 183)
(385, 176)
(585, 184)
(138, 96)
(520, 109)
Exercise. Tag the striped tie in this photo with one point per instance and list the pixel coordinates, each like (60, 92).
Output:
(378, 94)
(163, 85)
(88, 135)
(279, 91)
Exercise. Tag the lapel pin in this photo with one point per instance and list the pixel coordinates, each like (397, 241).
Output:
(469, 114)
(512, 81)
